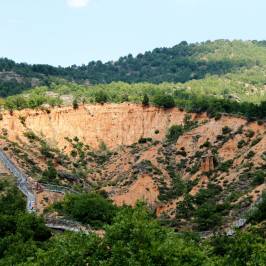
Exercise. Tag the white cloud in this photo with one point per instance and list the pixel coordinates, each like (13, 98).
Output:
(77, 3)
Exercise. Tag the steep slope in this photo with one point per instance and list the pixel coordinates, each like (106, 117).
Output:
(113, 124)
(202, 167)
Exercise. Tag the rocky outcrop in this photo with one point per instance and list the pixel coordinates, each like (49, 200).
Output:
(207, 163)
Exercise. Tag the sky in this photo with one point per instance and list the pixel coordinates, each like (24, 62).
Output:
(67, 32)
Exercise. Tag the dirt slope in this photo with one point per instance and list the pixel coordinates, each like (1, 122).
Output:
(220, 162)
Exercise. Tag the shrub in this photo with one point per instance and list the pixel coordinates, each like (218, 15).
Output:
(75, 104)
(256, 141)
(50, 173)
(145, 100)
(206, 144)
(189, 124)
(241, 144)
(207, 216)
(258, 214)
(185, 208)
(165, 101)
(258, 178)
(174, 132)
(101, 97)
(30, 135)
(74, 153)
(92, 209)
(208, 193)
(144, 140)
(46, 151)
(224, 166)
(250, 155)
(226, 130)
(217, 116)
(250, 133)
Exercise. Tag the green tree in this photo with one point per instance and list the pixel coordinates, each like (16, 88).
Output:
(75, 104)
(145, 100)
(89, 208)
(101, 97)
(165, 101)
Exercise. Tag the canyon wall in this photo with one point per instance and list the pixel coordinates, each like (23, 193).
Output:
(114, 124)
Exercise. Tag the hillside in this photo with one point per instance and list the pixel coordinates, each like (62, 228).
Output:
(222, 67)
(181, 164)
(158, 159)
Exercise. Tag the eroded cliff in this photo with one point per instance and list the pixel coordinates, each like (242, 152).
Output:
(113, 124)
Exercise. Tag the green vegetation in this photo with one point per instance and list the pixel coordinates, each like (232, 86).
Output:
(197, 77)
(165, 101)
(165, 95)
(193, 77)
(204, 208)
(75, 104)
(101, 97)
(175, 131)
(21, 234)
(132, 237)
(145, 100)
(181, 63)
(258, 214)
(90, 209)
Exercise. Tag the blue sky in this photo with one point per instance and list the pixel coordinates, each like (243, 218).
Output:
(66, 32)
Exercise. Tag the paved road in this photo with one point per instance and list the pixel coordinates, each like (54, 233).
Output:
(22, 182)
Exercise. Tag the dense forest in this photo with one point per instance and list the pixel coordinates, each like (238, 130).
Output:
(132, 237)
(226, 60)
(178, 64)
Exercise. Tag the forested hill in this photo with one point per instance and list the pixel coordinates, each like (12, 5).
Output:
(180, 63)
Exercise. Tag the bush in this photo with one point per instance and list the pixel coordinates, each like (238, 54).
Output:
(92, 209)
(144, 140)
(258, 214)
(174, 132)
(50, 173)
(31, 135)
(224, 166)
(145, 100)
(250, 133)
(101, 97)
(258, 178)
(165, 101)
(256, 141)
(250, 155)
(241, 144)
(206, 144)
(207, 216)
(75, 104)
(226, 130)
(208, 193)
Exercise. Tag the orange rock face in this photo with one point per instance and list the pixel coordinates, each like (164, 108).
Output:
(207, 164)
(114, 124)
(143, 189)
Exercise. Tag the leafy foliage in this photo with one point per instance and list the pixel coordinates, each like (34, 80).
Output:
(133, 237)
(90, 209)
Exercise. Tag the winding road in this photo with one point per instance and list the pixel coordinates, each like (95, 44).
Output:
(24, 187)
(22, 181)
